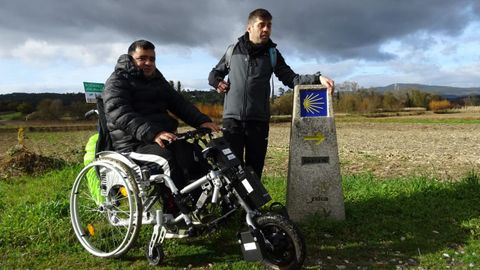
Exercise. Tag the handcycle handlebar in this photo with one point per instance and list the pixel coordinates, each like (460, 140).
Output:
(191, 134)
(199, 132)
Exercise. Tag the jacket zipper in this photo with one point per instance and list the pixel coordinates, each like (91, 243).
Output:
(244, 113)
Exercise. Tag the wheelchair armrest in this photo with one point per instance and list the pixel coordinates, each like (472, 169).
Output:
(90, 113)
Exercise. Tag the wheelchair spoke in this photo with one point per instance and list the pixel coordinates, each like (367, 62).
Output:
(105, 225)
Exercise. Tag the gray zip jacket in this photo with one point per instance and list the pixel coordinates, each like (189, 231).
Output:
(249, 77)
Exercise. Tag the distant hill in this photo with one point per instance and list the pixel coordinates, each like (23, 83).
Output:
(444, 91)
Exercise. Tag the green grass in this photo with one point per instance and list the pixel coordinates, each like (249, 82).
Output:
(407, 222)
(407, 120)
(390, 119)
(10, 116)
(36, 233)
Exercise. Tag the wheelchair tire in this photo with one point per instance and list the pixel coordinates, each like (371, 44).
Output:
(284, 245)
(109, 225)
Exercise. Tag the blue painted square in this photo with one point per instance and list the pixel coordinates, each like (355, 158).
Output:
(313, 103)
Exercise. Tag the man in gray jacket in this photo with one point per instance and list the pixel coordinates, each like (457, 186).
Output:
(249, 65)
(137, 101)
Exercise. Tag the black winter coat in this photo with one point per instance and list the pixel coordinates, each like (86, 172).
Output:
(136, 108)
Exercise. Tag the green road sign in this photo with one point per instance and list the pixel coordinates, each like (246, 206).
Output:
(92, 90)
(93, 87)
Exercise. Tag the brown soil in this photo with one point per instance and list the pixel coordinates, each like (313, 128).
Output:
(388, 150)
(391, 150)
(20, 161)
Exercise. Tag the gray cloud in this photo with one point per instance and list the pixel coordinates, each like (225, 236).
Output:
(373, 42)
(336, 29)
(356, 29)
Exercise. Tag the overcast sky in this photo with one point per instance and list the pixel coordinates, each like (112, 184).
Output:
(55, 45)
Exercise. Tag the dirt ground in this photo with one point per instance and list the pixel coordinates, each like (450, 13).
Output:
(443, 151)
(388, 150)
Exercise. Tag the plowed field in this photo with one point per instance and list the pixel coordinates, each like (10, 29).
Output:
(443, 151)
(390, 148)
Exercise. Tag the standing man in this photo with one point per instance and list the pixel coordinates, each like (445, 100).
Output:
(249, 65)
(137, 101)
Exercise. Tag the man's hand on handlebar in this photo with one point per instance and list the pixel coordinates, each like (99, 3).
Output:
(214, 127)
(164, 136)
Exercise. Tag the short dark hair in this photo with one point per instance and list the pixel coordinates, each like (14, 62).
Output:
(144, 44)
(259, 13)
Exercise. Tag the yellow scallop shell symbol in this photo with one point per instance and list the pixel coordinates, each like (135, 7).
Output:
(313, 103)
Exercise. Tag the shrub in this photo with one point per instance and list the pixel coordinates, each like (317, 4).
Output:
(212, 110)
(439, 105)
(282, 105)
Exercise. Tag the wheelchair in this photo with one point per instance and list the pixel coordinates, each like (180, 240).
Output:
(117, 193)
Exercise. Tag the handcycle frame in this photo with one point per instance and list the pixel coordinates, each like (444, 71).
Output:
(144, 176)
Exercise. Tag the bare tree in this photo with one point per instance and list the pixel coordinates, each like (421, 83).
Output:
(179, 86)
(348, 86)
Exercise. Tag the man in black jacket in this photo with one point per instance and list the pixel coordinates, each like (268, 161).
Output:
(249, 65)
(137, 101)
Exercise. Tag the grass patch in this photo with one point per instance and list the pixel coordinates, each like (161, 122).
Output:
(401, 223)
(10, 116)
(36, 233)
(391, 223)
(407, 120)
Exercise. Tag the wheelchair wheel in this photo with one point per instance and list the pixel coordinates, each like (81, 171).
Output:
(105, 209)
(157, 256)
(284, 246)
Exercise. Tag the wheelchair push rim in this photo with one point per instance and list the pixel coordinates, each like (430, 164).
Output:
(105, 222)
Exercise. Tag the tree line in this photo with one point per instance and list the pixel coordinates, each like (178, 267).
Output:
(351, 99)
(53, 106)
(364, 101)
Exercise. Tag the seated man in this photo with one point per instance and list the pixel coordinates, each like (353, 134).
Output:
(137, 101)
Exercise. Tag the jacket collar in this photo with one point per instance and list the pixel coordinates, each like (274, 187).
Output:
(254, 49)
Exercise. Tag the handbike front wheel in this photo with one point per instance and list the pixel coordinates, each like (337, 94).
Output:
(104, 208)
(284, 245)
